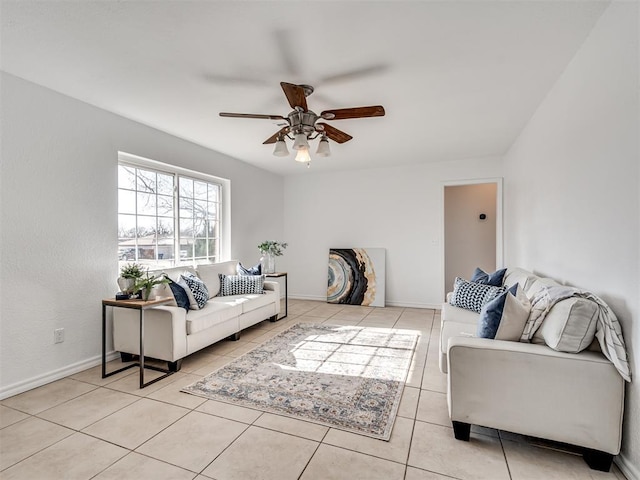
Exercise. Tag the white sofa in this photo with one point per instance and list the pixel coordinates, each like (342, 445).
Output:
(171, 332)
(530, 388)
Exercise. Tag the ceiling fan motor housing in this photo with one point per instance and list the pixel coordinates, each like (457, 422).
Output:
(303, 121)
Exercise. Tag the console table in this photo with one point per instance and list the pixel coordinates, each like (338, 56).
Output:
(141, 306)
(286, 292)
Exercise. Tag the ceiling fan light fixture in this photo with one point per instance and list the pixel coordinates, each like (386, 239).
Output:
(281, 149)
(323, 147)
(300, 142)
(303, 155)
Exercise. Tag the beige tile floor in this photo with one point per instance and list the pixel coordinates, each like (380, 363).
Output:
(86, 427)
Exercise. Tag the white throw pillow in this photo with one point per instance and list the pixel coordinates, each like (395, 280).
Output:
(570, 326)
(504, 317)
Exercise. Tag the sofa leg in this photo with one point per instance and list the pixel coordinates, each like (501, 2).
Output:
(461, 430)
(175, 366)
(126, 357)
(597, 460)
(274, 318)
(234, 338)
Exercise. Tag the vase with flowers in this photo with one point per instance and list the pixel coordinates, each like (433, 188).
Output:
(270, 249)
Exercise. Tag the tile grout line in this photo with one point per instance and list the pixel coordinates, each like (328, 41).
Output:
(253, 423)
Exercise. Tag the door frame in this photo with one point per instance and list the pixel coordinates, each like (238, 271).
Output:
(499, 222)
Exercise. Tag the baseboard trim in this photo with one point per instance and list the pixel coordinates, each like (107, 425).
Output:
(435, 306)
(52, 376)
(632, 472)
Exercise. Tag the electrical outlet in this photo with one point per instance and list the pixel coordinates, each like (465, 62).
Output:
(58, 335)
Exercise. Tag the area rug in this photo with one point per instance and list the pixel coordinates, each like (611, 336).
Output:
(345, 377)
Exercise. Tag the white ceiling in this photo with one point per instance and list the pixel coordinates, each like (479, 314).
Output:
(457, 79)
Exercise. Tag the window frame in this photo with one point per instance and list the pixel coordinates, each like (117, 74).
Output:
(222, 185)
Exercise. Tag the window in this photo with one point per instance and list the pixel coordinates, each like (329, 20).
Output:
(167, 218)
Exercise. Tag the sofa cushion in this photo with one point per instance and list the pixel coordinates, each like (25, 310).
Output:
(241, 284)
(255, 270)
(539, 284)
(471, 295)
(504, 317)
(209, 274)
(495, 278)
(451, 313)
(211, 314)
(521, 276)
(164, 290)
(570, 325)
(175, 272)
(247, 302)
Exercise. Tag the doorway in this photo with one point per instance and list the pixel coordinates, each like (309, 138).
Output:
(472, 228)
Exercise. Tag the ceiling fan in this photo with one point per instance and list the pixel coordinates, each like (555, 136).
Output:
(303, 124)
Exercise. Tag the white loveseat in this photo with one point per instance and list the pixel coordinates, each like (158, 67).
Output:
(171, 332)
(530, 388)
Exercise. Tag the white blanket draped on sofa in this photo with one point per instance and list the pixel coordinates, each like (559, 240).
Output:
(608, 331)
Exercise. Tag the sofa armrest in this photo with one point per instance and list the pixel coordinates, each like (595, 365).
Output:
(272, 286)
(165, 332)
(534, 390)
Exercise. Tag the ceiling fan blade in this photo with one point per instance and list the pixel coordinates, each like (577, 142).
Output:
(355, 74)
(236, 80)
(355, 112)
(295, 95)
(252, 115)
(273, 138)
(285, 41)
(334, 134)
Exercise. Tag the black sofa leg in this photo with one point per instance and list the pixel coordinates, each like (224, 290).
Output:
(126, 357)
(235, 337)
(175, 366)
(597, 460)
(461, 430)
(274, 318)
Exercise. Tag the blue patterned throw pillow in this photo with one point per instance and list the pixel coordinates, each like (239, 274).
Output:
(471, 295)
(198, 289)
(495, 278)
(240, 284)
(179, 293)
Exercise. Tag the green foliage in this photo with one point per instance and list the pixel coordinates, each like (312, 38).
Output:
(272, 247)
(132, 270)
(147, 282)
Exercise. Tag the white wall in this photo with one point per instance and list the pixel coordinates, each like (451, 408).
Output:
(469, 241)
(399, 209)
(572, 188)
(59, 222)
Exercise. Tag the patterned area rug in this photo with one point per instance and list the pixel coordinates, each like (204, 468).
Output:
(350, 378)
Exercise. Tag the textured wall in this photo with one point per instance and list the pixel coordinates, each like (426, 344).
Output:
(59, 222)
(572, 187)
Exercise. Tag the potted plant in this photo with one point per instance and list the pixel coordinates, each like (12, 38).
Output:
(270, 249)
(129, 274)
(145, 283)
